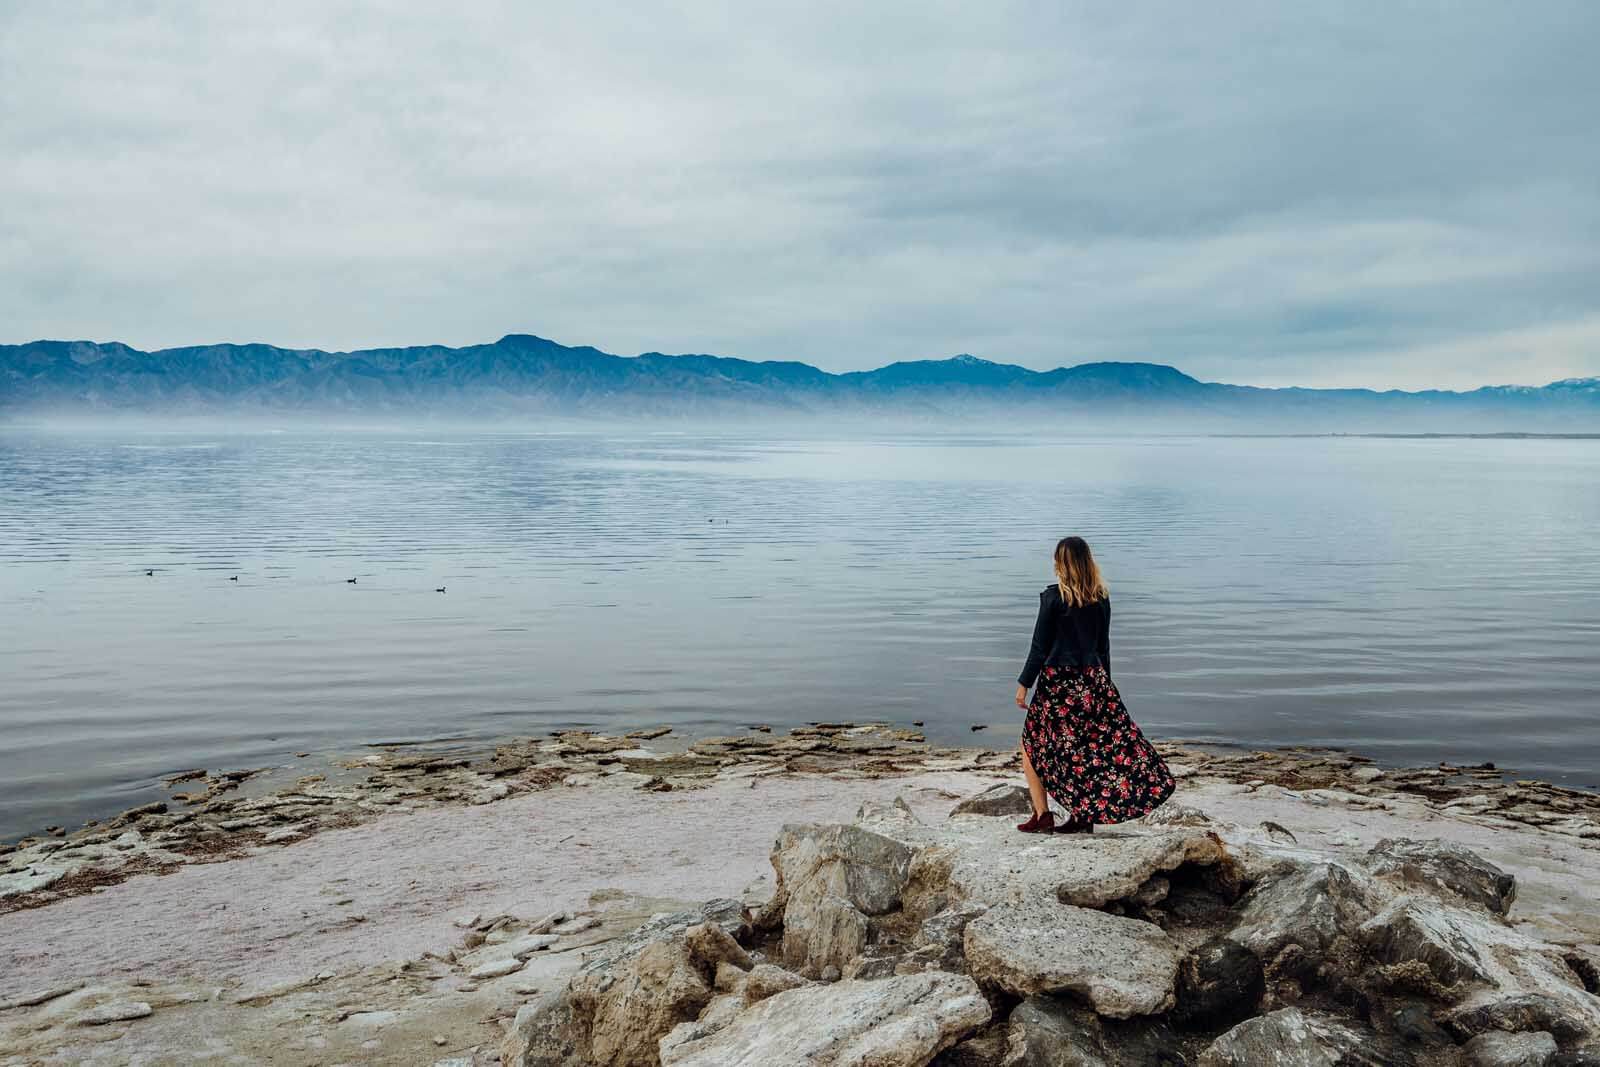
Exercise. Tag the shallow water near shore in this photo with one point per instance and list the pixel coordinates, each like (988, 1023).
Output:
(1410, 599)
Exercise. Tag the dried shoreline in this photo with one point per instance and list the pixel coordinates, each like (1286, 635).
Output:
(403, 906)
(218, 816)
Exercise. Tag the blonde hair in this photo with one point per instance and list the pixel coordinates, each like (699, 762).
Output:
(1077, 576)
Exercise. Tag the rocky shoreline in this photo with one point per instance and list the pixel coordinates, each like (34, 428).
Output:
(216, 816)
(1294, 906)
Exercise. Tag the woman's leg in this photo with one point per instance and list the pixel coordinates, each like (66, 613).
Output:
(1035, 787)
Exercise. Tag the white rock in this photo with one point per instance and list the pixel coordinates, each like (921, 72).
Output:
(1124, 967)
(576, 926)
(496, 968)
(115, 1012)
(891, 1022)
(523, 947)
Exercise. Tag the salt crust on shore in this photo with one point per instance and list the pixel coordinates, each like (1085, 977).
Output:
(319, 952)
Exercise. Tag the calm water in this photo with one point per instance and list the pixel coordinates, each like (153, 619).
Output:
(1412, 599)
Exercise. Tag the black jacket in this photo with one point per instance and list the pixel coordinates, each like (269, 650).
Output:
(1065, 636)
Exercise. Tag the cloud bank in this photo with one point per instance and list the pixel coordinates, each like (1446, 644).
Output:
(1401, 195)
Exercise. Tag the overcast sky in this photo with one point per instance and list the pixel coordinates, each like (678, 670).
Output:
(1381, 194)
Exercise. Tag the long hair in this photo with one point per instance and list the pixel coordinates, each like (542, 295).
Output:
(1076, 574)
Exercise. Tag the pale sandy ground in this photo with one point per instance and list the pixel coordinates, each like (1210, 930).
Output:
(281, 914)
(289, 913)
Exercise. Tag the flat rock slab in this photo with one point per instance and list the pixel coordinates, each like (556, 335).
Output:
(1123, 967)
(1292, 1038)
(891, 1022)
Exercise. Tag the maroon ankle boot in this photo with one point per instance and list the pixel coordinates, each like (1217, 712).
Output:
(1042, 823)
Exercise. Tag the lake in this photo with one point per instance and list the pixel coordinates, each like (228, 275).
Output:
(1411, 599)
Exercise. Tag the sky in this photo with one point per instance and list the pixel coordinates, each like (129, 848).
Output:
(1388, 195)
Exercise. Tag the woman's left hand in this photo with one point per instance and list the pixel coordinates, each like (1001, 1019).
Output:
(1022, 696)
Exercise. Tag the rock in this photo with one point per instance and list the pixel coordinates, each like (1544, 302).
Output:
(1586, 1056)
(822, 933)
(1443, 866)
(1001, 799)
(728, 978)
(1046, 1032)
(117, 1011)
(1500, 1049)
(1124, 967)
(1309, 907)
(765, 980)
(865, 869)
(940, 939)
(496, 968)
(546, 923)
(1416, 929)
(985, 1050)
(894, 1022)
(1218, 983)
(713, 945)
(523, 947)
(546, 1033)
(624, 999)
(1519, 1012)
(575, 926)
(719, 1013)
(632, 1006)
(1291, 1038)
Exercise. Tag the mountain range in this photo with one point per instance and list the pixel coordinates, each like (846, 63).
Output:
(521, 375)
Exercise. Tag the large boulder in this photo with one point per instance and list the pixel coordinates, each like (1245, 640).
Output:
(1218, 983)
(1308, 907)
(1002, 799)
(892, 1022)
(1123, 967)
(829, 880)
(1444, 867)
(1292, 1038)
(628, 995)
(1500, 1049)
(1415, 929)
(1046, 1032)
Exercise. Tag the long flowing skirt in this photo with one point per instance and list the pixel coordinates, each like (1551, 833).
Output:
(1089, 754)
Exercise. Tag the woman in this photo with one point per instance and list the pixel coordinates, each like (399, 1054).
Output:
(1078, 744)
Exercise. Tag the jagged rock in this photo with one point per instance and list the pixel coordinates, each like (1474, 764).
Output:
(1218, 983)
(728, 979)
(1414, 929)
(879, 967)
(866, 869)
(894, 1022)
(939, 941)
(1563, 1016)
(830, 878)
(1500, 1049)
(1124, 967)
(711, 944)
(1309, 907)
(119, 1011)
(1046, 1032)
(983, 1050)
(1001, 799)
(1444, 866)
(765, 980)
(624, 999)
(719, 1013)
(1292, 1038)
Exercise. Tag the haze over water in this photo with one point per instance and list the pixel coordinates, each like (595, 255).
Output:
(1414, 600)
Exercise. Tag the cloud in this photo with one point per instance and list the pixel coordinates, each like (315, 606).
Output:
(1252, 192)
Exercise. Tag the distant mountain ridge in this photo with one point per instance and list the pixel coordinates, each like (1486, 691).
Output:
(522, 374)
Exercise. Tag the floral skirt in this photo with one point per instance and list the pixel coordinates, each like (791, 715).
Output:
(1086, 750)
